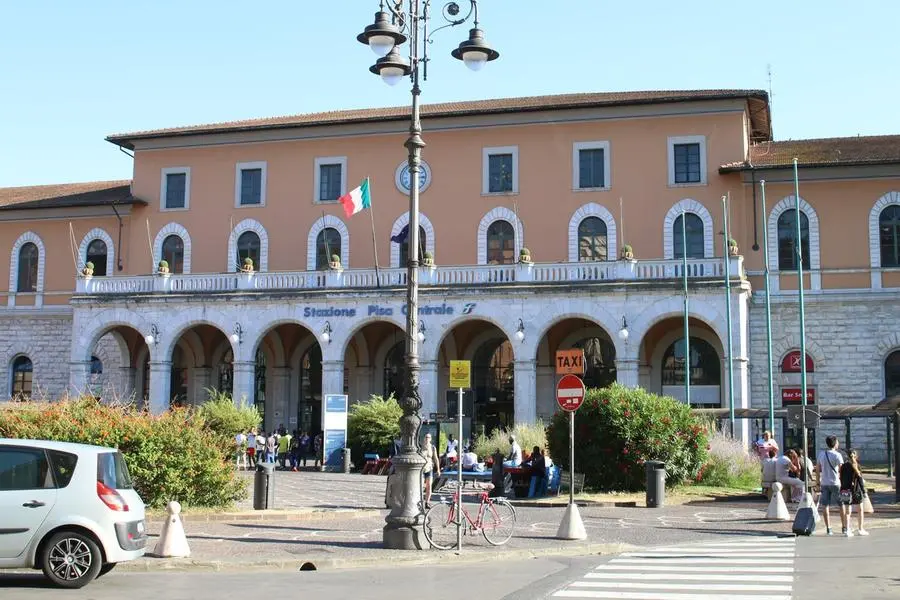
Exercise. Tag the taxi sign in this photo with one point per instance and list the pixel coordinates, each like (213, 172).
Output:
(570, 362)
(460, 374)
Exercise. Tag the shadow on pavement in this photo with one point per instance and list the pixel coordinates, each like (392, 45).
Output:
(283, 542)
(24, 580)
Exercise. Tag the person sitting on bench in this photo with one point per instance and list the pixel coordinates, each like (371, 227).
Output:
(469, 460)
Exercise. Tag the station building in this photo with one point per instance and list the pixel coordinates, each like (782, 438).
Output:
(594, 186)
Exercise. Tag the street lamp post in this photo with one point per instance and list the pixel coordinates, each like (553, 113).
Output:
(402, 20)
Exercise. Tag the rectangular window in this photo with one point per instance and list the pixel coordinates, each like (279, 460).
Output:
(251, 186)
(500, 170)
(687, 163)
(329, 182)
(590, 168)
(175, 189)
(24, 469)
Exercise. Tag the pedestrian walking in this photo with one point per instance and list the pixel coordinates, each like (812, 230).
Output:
(431, 469)
(317, 450)
(853, 491)
(251, 449)
(828, 463)
(260, 448)
(271, 448)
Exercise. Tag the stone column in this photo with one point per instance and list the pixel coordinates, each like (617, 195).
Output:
(244, 383)
(79, 377)
(332, 377)
(126, 383)
(428, 387)
(200, 380)
(160, 386)
(546, 393)
(525, 383)
(278, 397)
(627, 371)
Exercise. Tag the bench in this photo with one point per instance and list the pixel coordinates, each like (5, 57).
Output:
(565, 481)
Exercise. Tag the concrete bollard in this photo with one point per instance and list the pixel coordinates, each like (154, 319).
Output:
(777, 508)
(172, 540)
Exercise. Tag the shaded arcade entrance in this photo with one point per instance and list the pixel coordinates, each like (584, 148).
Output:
(114, 373)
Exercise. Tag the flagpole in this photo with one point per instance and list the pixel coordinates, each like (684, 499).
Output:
(374, 245)
(765, 224)
(799, 254)
(325, 238)
(728, 320)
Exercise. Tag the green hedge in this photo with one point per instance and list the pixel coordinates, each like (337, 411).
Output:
(372, 426)
(173, 456)
(617, 429)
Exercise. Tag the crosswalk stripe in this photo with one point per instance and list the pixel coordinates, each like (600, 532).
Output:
(704, 561)
(701, 568)
(700, 575)
(683, 586)
(661, 595)
(706, 553)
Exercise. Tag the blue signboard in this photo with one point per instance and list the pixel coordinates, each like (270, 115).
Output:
(334, 424)
(335, 403)
(335, 442)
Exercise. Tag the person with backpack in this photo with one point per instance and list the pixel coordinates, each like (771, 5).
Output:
(828, 464)
(853, 491)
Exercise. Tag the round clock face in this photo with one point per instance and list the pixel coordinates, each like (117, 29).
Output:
(402, 177)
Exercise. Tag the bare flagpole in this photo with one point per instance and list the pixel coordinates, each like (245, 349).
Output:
(325, 237)
(374, 245)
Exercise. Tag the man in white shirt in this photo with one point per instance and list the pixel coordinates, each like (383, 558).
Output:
(515, 454)
(240, 453)
(251, 449)
(469, 460)
(828, 465)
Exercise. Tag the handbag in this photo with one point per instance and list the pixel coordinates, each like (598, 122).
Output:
(846, 496)
(867, 505)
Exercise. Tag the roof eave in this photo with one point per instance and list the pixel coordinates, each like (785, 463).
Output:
(810, 165)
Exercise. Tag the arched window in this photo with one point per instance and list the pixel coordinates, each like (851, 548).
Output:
(173, 253)
(599, 362)
(501, 243)
(260, 383)
(592, 239)
(404, 247)
(693, 226)
(309, 409)
(892, 374)
(394, 370)
(248, 246)
(96, 253)
(28, 268)
(328, 243)
(787, 235)
(22, 372)
(226, 373)
(889, 234)
(705, 367)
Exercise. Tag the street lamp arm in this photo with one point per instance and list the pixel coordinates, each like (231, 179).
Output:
(450, 13)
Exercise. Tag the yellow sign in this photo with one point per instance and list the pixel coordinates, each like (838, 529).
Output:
(460, 374)
(570, 362)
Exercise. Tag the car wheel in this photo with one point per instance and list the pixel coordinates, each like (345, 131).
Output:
(106, 569)
(71, 559)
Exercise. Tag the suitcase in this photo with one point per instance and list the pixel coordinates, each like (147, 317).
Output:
(805, 521)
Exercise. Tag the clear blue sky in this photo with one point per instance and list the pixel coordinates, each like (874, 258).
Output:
(72, 72)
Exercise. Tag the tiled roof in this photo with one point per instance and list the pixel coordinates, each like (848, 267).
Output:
(92, 193)
(825, 152)
(451, 109)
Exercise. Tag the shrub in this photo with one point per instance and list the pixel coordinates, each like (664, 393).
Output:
(372, 426)
(173, 456)
(617, 429)
(528, 435)
(220, 414)
(729, 465)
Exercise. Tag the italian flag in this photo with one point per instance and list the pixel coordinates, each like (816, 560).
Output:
(357, 199)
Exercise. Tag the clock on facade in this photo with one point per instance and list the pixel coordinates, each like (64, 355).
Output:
(402, 177)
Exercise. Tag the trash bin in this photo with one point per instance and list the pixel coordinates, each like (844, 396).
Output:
(264, 487)
(346, 457)
(656, 483)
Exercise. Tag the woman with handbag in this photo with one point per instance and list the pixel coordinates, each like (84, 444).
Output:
(853, 491)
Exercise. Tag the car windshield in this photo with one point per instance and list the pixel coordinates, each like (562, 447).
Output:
(112, 472)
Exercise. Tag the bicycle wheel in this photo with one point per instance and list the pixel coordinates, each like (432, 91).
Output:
(440, 529)
(498, 523)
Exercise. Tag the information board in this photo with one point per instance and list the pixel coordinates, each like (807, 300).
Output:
(334, 426)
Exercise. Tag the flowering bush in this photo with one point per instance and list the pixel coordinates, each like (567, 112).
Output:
(728, 464)
(173, 456)
(617, 429)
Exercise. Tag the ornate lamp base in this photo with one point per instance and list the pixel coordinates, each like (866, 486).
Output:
(403, 528)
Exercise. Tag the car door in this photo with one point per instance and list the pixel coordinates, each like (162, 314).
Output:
(27, 495)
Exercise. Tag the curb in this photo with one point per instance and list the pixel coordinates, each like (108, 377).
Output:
(412, 558)
(316, 514)
(580, 503)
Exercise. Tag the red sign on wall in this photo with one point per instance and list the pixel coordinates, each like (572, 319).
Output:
(793, 395)
(791, 363)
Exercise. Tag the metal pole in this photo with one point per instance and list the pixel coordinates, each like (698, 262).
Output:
(687, 338)
(890, 452)
(459, 481)
(571, 457)
(799, 253)
(728, 320)
(765, 225)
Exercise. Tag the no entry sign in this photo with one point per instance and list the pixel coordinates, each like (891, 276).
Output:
(570, 393)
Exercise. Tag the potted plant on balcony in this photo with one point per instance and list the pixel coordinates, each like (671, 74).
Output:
(163, 268)
(428, 259)
(88, 270)
(247, 267)
(733, 247)
(525, 256)
(627, 252)
(335, 263)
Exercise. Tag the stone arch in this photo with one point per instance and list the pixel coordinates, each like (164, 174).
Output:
(277, 347)
(888, 199)
(789, 203)
(172, 228)
(451, 325)
(28, 236)
(256, 227)
(592, 209)
(320, 224)
(784, 345)
(673, 307)
(588, 311)
(343, 342)
(887, 346)
(170, 338)
(399, 224)
(97, 233)
(105, 322)
(688, 205)
(500, 213)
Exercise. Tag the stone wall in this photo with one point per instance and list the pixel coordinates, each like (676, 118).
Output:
(848, 336)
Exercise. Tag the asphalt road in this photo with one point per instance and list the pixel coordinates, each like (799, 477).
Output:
(858, 568)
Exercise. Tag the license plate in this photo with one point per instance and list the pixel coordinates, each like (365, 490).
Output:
(140, 527)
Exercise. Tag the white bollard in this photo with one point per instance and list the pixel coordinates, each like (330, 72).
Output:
(777, 508)
(807, 502)
(172, 540)
(571, 527)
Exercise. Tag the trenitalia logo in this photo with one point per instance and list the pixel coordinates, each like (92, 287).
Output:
(468, 308)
